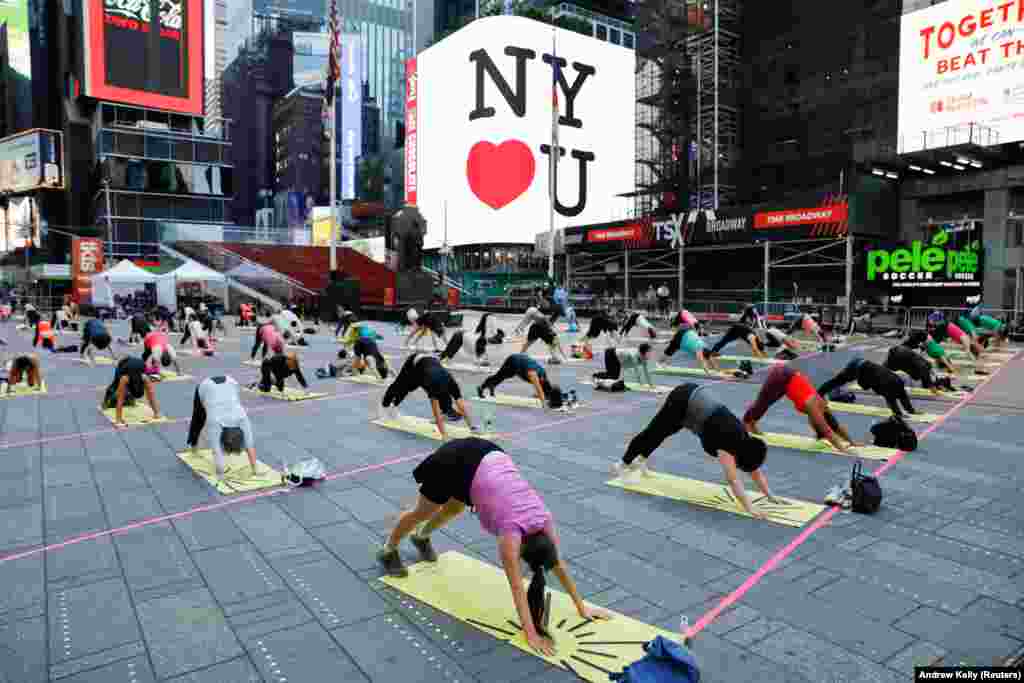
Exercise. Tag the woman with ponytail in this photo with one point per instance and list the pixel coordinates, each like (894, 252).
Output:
(476, 473)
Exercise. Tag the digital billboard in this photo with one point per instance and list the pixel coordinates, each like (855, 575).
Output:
(479, 129)
(961, 62)
(351, 103)
(144, 52)
(31, 160)
(309, 63)
(15, 14)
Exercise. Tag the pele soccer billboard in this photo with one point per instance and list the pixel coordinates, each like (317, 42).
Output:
(479, 126)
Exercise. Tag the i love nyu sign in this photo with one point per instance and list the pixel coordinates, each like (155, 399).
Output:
(483, 123)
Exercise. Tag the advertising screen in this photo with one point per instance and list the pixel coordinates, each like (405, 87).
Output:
(478, 150)
(961, 62)
(309, 64)
(14, 13)
(144, 52)
(31, 160)
(351, 103)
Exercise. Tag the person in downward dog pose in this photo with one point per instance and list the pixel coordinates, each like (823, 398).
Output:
(531, 317)
(477, 474)
(530, 371)
(751, 317)
(947, 330)
(735, 333)
(617, 360)
(810, 327)
(901, 358)
(218, 405)
(600, 324)
(543, 331)
(276, 369)
(45, 335)
(94, 333)
(455, 344)
(157, 348)
(422, 325)
(267, 338)
(426, 372)
(128, 386)
(789, 348)
(24, 367)
(933, 349)
(687, 339)
(366, 347)
(988, 326)
(876, 378)
(637, 319)
(693, 407)
(197, 333)
(685, 319)
(783, 380)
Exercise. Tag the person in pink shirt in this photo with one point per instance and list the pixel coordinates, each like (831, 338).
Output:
(687, 319)
(810, 327)
(476, 473)
(157, 349)
(268, 337)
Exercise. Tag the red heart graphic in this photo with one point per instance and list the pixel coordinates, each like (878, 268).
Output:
(498, 174)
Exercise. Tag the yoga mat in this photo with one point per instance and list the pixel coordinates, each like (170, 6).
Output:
(420, 426)
(878, 411)
(169, 376)
(100, 360)
(23, 389)
(753, 359)
(372, 379)
(545, 360)
(238, 476)
(478, 594)
(693, 372)
(138, 414)
(917, 392)
(289, 394)
(806, 443)
(513, 401)
(465, 367)
(253, 363)
(642, 388)
(786, 511)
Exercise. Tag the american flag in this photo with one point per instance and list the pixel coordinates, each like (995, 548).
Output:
(554, 120)
(333, 63)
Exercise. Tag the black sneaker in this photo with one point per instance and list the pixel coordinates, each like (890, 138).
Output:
(480, 392)
(392, 563)
(425, 547)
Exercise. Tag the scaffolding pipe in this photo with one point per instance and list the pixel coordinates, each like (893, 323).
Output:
(681, 257)
(627, 277)
(1018, 307)
(715, 57)
(767, 269)
(849, 277)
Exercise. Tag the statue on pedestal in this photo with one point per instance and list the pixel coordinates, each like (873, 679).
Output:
(408, 229)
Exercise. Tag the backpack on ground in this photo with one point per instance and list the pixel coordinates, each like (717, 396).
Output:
(866, 492)
(614, 386)
(894, 433)
(304, 473)
(664, 660)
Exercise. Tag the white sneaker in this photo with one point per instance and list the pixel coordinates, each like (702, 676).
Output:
(392, 413)
(641, 467)
(627, 473)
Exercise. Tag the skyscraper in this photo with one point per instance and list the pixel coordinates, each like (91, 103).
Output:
(217, 38)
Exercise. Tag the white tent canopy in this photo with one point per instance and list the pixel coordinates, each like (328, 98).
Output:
(190, 271)
(123, 278)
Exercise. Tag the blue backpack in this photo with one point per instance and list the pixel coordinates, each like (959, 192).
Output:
(666, 661)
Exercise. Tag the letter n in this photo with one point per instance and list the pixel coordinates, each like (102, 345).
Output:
(515, 100)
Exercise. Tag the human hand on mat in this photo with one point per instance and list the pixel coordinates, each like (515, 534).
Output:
(595, 613)
(543, 645)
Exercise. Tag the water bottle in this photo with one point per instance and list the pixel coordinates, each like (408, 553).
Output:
(684, 626)
(488, 422)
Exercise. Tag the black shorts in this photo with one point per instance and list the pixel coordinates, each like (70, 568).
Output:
(364, 347)
(101, 342)
(542, 332)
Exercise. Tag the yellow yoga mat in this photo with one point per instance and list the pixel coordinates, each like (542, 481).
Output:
(917, 392)
(14, 391)
(693, 372)
(568, 361)
(753, 359)
(878, 411)
(368, 378)
(785, 511)
(420, 426)
(510, 400)
(100, 360)
(806, 443)
(238, 476)
(171, 376)
(478, 594)
(641, 388)
(138, 414)
(289, 394)
(465, 367)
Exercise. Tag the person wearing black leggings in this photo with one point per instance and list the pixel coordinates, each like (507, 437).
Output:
(901, 358)
(426, 372)
(722, 435)
(752, 318)
(743, 332)
(543, 331)
(873, 377)
(367, 348)
(455, 345)
(530, 371)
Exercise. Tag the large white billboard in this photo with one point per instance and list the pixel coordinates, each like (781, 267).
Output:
(961, 63)
(480, 130)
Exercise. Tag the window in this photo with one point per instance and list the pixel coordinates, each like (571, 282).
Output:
(627, 40)
(602, 32)
(613, 36)
(1017, 232)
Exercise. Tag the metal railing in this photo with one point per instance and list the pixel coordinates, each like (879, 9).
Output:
(271, 283)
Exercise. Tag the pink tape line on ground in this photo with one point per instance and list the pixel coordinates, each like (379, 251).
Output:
(729, 600)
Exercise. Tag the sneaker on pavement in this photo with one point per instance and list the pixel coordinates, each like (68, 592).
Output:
(425, 547)
(392, 562)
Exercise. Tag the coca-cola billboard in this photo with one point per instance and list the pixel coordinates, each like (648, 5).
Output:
(144, 52)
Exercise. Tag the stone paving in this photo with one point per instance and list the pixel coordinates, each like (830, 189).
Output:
(118, 564)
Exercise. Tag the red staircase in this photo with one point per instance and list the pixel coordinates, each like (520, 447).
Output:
(310, 266)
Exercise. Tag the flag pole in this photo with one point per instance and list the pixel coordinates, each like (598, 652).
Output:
(332, 84)
(553, 182)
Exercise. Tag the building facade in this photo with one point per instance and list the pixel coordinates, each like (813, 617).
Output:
(298, 145)
(212, 96)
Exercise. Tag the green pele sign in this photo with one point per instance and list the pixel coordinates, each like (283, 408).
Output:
(931, 264)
